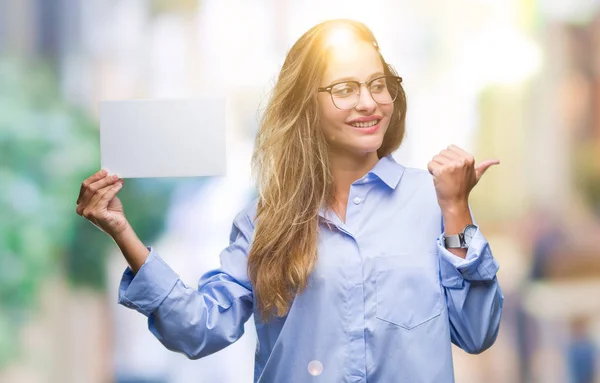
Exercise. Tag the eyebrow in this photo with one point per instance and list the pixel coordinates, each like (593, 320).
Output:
(376, 74)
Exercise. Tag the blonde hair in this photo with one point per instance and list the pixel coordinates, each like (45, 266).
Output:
(291, 167)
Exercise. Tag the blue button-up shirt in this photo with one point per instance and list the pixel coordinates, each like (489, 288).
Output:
(383, 304)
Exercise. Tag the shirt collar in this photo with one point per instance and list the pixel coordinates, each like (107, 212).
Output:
(388, 171)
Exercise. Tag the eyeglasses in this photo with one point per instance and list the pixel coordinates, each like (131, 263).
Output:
(345, 95)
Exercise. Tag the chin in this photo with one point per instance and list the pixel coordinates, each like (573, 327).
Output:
(369, 148)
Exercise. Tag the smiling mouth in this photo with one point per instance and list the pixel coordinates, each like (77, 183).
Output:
(365, 124)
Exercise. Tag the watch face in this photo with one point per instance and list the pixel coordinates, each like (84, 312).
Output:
(469, 233)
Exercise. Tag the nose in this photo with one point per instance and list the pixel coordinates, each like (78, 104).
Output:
(365, 102)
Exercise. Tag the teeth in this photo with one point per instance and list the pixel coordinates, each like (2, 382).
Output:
(365, 124)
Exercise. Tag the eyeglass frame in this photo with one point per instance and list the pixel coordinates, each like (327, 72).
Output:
(367, 84)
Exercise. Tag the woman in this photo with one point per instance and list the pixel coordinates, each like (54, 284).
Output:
(356, 268)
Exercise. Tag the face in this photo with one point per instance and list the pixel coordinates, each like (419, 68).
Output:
(351, 132)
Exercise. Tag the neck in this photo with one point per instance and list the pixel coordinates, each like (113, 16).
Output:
(347, 168)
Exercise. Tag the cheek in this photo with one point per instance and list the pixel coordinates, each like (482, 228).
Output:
(387, 111)
(331, 116)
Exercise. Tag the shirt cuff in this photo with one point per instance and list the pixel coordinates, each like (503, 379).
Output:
(147, 289)
(478, 265)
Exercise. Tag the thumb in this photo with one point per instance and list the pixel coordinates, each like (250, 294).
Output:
(483, 166)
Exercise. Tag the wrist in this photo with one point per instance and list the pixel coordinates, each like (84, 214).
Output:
(120, 235)
(456, 217)
(134, 250)
(454, 207)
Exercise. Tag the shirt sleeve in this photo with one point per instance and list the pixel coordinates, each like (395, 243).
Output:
(195, 322)
(478, 265)
(473, 295)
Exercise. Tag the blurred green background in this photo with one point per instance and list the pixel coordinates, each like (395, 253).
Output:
(48, 147)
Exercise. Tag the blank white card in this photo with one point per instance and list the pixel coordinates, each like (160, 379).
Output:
(163, 137)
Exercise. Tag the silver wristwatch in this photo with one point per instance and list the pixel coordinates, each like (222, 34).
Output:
(460, 240)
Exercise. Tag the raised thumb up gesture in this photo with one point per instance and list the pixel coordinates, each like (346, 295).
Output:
(455, 175)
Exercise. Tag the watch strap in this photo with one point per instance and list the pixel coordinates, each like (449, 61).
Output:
(455, 241)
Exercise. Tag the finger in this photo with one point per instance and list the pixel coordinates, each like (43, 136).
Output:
(464, 156)
(99, 201)
(85, 204)
(441, 159)
(79, 209)
(90, 180)
(98, 185)
(433, 168)
(89, 208)
(451, 156)
(483, 167)
(458, 150)
(110, 194)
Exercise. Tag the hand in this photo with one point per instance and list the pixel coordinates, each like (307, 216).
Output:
(455, 174)
(99, 204)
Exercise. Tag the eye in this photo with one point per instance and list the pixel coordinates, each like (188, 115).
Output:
(378, 86)
(343, 90)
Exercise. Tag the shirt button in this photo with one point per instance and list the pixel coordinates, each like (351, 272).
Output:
(357, 200)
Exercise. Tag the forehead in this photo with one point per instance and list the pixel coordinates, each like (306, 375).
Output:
(357, 60)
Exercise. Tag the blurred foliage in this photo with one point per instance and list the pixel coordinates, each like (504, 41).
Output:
(47, 148)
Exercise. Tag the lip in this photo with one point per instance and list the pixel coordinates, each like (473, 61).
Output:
(365, 119)
(370, 130)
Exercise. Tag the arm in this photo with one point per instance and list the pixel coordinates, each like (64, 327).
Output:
(195, 322)
(473, 294)
(468, 275)
(455, 219)
(133, 249)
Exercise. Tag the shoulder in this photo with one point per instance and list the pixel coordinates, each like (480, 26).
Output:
(416, 188)
(416, 178)
(416, 173)
(246, 217)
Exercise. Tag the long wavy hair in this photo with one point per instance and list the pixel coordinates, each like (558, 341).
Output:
(290, 165)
